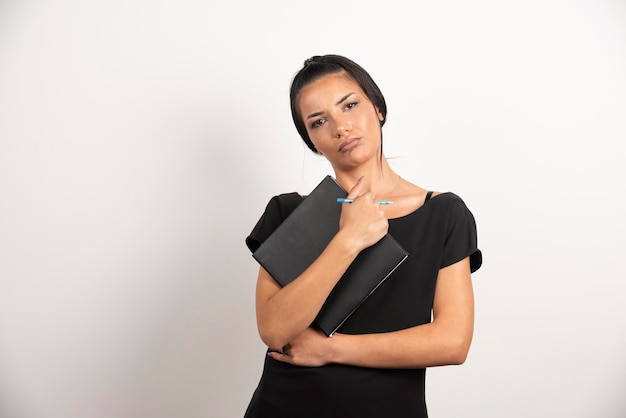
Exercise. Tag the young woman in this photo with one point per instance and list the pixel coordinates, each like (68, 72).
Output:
(421, 316)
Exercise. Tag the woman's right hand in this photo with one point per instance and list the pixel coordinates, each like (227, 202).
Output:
(362, 222)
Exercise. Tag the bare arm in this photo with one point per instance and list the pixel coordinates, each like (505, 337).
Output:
(284, 313)
(446, 340)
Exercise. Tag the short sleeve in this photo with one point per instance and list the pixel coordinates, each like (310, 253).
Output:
(277, 209)
(461, 240)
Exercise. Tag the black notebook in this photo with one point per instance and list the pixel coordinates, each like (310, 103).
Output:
(305, 233)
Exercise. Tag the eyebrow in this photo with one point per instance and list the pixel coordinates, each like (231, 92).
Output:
(343, 99)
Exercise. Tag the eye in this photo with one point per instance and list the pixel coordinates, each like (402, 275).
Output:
(351, 105)
(317, 123)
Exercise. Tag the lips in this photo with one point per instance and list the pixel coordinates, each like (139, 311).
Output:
(348, 144)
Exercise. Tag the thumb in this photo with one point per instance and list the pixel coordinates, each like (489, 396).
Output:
(356, 189)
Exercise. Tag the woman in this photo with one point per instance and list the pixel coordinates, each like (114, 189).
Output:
(421, 316)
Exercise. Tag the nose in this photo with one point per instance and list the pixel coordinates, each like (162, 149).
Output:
(343, 126)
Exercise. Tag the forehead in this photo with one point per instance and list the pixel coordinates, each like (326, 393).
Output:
(327, 91)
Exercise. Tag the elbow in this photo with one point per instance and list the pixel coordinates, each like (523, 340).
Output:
(273, 344)
(458, 352)
(454, 344)
(272, 339)
(275, 333)
(458, 357)
(269, 333)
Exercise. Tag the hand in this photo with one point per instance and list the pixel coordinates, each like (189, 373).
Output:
(310, 349)
(363, 220)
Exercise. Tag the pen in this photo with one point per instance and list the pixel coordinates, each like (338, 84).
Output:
(381, 202)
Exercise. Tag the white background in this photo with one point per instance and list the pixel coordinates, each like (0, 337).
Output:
(141, 140)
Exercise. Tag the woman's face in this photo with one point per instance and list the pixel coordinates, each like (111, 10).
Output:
(341, 121)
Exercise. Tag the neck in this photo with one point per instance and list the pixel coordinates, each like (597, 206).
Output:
(379, 177)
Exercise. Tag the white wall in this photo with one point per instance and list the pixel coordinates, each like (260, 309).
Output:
(140, 141)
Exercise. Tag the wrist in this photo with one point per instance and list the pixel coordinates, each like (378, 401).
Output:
(334, 351)
(345, 244)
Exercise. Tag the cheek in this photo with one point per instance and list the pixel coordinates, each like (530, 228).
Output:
(369, 122)
(313, 136)
(318, 135)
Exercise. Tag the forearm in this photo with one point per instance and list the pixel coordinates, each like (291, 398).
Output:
(421, 346)
(446, 340)
(284, 314)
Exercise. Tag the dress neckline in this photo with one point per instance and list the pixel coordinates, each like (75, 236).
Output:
(417, 209)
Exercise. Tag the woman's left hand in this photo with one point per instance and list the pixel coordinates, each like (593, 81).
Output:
(310, 349)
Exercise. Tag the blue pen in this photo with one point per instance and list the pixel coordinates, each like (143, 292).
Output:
(381, 202)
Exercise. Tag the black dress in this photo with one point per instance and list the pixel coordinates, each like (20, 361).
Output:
(438, 234)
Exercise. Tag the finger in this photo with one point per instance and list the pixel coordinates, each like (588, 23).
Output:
(279, 357)
(357, 189)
